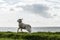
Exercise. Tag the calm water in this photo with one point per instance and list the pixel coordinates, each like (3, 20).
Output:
(34, 29)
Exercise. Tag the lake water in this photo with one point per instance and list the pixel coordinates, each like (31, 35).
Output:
(34, 29)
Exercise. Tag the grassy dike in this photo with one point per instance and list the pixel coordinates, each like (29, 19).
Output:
(27, 36)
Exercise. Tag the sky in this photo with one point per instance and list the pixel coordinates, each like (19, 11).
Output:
(37, 13)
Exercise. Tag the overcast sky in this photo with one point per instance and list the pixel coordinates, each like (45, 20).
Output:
(37, 13)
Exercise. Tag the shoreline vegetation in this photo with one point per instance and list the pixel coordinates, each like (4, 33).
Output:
(33, 36)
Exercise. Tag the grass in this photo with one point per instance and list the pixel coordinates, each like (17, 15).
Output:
(27, 36)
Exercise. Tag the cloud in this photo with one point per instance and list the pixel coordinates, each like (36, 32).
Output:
(11, 2)
(2, 2)
(57, 7)
(54, 1)
(38, 9)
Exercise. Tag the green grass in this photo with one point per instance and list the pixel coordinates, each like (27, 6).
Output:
(27, 36)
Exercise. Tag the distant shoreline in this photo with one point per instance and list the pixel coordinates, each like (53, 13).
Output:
(34, 29)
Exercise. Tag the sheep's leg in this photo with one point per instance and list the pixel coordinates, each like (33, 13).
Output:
(21, 29)
(18, 29)
(29, 29)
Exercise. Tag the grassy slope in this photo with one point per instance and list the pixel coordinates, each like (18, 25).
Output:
(27, 36)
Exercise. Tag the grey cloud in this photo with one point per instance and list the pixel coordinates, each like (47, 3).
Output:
(1, 3)
(54, 1)
(56, 7)
(38, 9)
